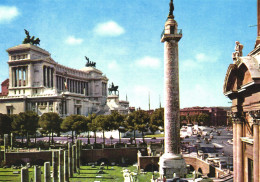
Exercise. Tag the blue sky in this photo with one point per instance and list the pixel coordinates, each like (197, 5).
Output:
(123, 37)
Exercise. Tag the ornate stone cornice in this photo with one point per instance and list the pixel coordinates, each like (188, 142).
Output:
(256, 116)
(237, 118)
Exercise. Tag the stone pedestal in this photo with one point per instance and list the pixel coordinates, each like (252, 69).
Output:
(170, 164)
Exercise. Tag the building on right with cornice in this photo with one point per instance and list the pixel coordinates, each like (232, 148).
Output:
(242, 86)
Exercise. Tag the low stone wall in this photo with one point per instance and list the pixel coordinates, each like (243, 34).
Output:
(117, 155)
(18, 158)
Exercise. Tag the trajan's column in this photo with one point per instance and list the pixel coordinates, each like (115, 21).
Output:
(171, 161)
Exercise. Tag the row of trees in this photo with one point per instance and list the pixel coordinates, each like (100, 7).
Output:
(25, 124)
(202, 119)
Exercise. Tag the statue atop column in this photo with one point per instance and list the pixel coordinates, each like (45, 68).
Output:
(30, 40)
(171, 8)
(238, 51)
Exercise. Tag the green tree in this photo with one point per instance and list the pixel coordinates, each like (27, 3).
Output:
(117, 122)
(104, 124)
(5, 124)
(25, 123)
(204, 119)
(142, 119)
(50, 123)
(182, 119)
(156, 120)
(89, 120)
(131, 124)
(94, 126)
(74, 123)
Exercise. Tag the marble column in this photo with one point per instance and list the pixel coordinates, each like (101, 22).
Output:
(50, 77)
(13, 77)
(66, 165)
(12, 140)
(22, 76)
(234, 150)
(55, 166)
(61, 165)
(70, 159)
(80, 87)
(46, 77)
(239, 149)
(74, 160)
(57, 82)
(47, 174)
(24, 174)
(26, 76)
(5, 145)
(17, 77)
(171, 161)
(37, 174)
(256, 151)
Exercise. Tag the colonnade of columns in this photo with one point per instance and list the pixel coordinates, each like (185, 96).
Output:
(48, 76)
(238, 156)
(20, 76)
(71, 85)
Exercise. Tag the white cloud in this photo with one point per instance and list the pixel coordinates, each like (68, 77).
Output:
(8, 13)
(198, 61)
(71, 40)
(148, 62)
(109, 28)
(201, 57)
(113, 65)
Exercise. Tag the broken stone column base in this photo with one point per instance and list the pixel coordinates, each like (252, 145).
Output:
(170, 164)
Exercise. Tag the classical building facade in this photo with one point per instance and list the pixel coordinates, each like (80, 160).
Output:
(38, 83)
(242, 86)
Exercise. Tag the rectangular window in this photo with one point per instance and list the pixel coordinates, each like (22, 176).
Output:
(171, 29)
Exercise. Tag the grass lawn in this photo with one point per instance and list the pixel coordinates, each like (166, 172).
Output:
(7, 174)
(113, 173)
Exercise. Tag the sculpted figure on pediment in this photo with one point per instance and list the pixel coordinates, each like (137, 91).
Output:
(238, 51)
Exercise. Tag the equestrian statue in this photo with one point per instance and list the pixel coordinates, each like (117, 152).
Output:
(112, 89)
